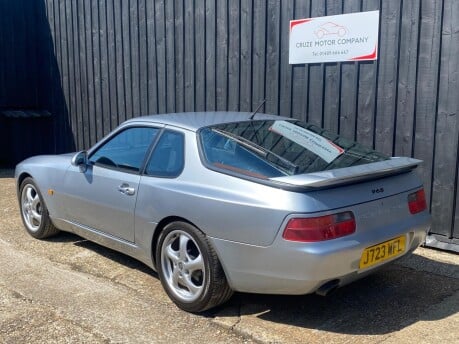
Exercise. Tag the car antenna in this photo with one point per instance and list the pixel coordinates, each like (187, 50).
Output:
(258, 108)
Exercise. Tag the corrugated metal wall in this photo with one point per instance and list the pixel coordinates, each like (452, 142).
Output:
(120, 59)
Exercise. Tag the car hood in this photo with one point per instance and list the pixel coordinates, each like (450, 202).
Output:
(41, 162)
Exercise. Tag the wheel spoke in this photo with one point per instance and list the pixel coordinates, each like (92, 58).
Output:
(35, 201)
(36, 216)
(193, 288)
(182, 246)
(171, 254)
(29, 194)
(195, 264)
(183, 266)
(29, 218)
(175, 277)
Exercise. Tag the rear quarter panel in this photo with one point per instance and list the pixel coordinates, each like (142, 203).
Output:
(230, 208)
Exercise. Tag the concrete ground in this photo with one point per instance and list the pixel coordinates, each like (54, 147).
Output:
(69, 290)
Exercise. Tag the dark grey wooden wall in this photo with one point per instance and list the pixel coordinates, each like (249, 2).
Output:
(118, 59)
(30, 81)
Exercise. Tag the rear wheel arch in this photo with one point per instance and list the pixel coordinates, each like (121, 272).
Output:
(159, 228)
(189, 267)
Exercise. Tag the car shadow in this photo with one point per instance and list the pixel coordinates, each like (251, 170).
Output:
(384, 302)
(387, 301)
(66, 237)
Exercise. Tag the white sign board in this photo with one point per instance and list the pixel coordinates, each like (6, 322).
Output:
(317, 144)
(345, 37)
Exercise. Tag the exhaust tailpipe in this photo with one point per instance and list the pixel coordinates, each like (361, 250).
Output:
(328, 288)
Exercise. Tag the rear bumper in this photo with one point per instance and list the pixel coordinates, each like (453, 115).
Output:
(299, 268)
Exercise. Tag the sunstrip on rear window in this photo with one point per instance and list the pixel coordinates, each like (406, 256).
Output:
(317, 144)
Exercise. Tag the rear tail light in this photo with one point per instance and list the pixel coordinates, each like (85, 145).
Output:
(321, 228)
(417, 201)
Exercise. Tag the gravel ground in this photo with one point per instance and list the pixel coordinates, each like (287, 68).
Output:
(69, 290)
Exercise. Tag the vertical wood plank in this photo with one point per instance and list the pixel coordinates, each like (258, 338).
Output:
(406, 90)
(426, 90)
(332, 82)
(96, 67)
(170, 55)
(349, 82)
(148, 62)
(30, 56)
(189, 58)
(300, 72)
(316, 76)
(160, 44)
(222, 55)
(145, 69)
(286, 75)
(19, 54)
(445, 171)
(134, 27)
(368, 72)
(119, 49)
(77, 108)
(71, 101)
(127, 58)
(234, 55)
(211, 39)
(90, 73)
(104, 84)
(387, 76)
(200, 55)
(179, 56)
(246, 56)
(112, 64)
(85, 118)
(259, 52)
(63, 76)
(272, 57)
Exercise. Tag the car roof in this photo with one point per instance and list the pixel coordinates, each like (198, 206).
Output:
(196, 120)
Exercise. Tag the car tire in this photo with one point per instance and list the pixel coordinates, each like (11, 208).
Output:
(34, 213)
(189, 269)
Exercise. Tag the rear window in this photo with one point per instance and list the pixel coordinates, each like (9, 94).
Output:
(268, 149)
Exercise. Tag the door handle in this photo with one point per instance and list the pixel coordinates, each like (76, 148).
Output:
(125, 189)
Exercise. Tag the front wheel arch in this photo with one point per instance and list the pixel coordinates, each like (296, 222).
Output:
(20, 179)
(28, 205)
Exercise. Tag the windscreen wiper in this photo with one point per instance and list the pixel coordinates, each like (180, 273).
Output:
(261, 151)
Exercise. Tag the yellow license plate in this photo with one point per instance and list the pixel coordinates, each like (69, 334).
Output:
(379, 253)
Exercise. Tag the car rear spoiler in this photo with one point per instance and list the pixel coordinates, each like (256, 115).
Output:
(348, 175)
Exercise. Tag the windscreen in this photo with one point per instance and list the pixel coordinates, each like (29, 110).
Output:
(267, 149)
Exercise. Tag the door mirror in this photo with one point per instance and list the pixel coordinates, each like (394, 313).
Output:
(80, 159)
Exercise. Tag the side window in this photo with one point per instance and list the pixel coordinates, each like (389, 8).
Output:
(167, 159)
(126, 150)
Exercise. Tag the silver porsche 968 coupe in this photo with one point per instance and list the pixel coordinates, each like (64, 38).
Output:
(218, 202)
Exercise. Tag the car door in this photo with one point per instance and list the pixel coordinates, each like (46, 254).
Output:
(103, 198)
